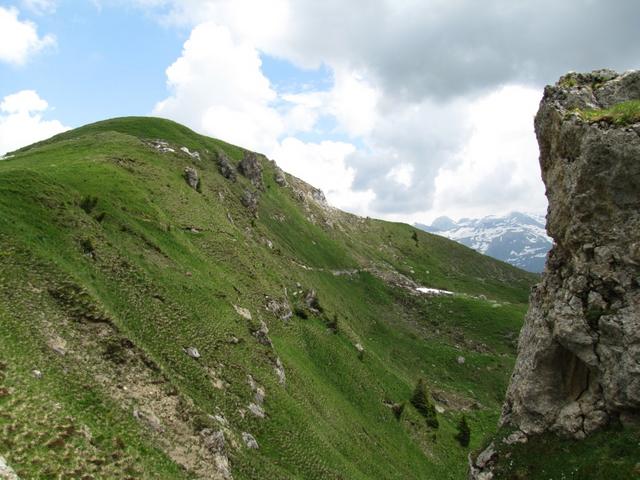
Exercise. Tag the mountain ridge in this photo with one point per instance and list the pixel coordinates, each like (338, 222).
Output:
(517, 238)
(184, 302)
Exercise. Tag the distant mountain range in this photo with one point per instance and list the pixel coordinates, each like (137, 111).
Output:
(517, 238)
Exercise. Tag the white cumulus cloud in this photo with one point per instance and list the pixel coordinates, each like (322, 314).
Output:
(497, 169)
(323, 164)
(19, 39)
(438, 96)
(217, 87)
(21, 121)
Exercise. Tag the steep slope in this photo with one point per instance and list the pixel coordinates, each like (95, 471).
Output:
(517, 238)
(579, 350)
(176, 307)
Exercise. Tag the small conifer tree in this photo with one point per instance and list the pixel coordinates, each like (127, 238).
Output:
(464, 432)
(420, 400)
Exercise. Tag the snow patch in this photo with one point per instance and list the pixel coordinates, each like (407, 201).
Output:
(433, 291)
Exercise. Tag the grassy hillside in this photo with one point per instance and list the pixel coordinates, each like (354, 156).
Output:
(113, 269)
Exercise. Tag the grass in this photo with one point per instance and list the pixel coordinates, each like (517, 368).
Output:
(105, 248)
(611, 453)
(621, 114)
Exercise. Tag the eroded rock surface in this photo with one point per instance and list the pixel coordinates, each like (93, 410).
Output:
(251, 167)
(227, 170)
(578, 363)
(192, 178)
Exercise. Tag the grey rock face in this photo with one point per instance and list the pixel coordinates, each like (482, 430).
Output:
(578, 362)
(226, 168)
(279, 177)
(192, 178)
(250, 200)
(280, 373)
(249, 440)
(251, 167)
(280, 308)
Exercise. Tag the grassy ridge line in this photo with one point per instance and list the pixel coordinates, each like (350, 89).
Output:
(168, 287)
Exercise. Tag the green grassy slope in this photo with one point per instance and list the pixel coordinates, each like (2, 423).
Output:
(97, 305)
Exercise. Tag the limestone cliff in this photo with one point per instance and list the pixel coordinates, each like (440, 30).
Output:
(578, 363)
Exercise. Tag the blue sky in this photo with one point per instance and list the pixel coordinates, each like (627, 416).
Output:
(401, 109)
(109, 61)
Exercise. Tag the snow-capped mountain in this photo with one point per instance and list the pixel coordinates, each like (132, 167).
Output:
(517, 238)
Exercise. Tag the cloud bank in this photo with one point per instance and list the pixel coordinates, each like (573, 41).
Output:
(432, 101)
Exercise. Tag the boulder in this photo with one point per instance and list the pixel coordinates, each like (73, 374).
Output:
(192, 178)
(192, 352)
(249, 440)
(243, 312)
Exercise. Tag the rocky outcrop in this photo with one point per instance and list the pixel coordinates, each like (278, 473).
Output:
(250, 201)
(192, 178)
(226, 168)
(578, 363)
(251, 167)
(279, 177)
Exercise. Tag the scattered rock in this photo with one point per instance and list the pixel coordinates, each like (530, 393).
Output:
(256, 410)
(37, 374)
(226, 168)
(249, 440)
(161, 146)
(360, 350)
(280, 373)
(250, 200)
(516, 437)
(194, 155)
(279, 177)
(243, 312)
(460, 360)
(192, 177)
(311, 301)
(213, 440)
(280, 309)
(577, 364)
(481, 468)
(251, 167)
(58, 345)
(6, 472)
(486, 456)
(149, 419)
(262, 334)
(192, 352)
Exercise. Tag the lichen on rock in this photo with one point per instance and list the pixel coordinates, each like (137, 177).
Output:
(578, 363)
